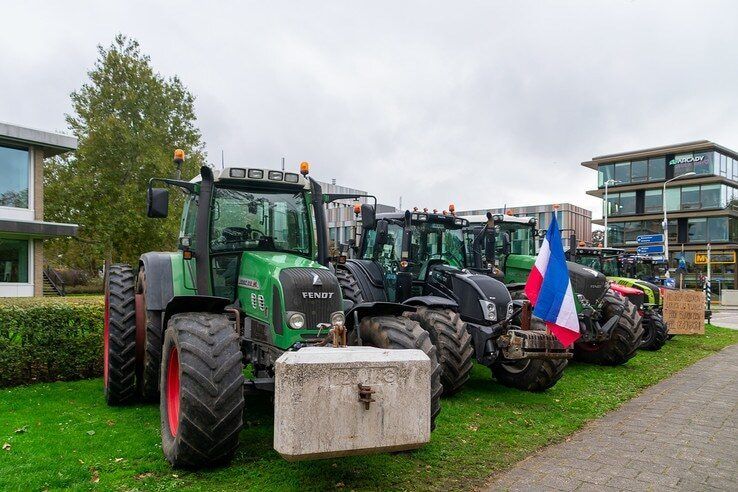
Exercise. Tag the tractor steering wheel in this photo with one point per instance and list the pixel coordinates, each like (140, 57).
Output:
(233, 234)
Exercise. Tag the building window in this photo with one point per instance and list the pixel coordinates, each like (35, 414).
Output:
(710, 196)
(639, 171)
(690, 197)
(673, 231)
(622, 172)
(13, 260)
(717, 229)
(627, 203)
(615, 234)
(653, 201)
(15, 171)
(697, 230)
(604, 173)
(698, 162)
(673, 199)
(657, 169)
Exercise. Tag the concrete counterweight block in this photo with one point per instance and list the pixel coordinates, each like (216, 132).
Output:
(318, 408)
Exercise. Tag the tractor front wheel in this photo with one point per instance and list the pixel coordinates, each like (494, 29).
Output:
(625, 337)
(201, 396)
(396, 332)
(529, 374)
(655, 332)
(453, 343)
(119, 336)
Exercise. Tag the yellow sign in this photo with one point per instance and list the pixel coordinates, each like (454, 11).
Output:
(722, 258)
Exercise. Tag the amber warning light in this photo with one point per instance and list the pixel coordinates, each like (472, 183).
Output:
(304, 168)
(357, 208)
(179, 156)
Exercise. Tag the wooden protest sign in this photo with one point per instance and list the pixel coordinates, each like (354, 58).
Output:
(684, 312)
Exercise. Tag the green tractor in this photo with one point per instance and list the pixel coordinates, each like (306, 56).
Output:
(250, 285)
(418, 259)
(618, 267)
(610, 324)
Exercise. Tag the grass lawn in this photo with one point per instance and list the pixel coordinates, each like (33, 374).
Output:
(62, 435)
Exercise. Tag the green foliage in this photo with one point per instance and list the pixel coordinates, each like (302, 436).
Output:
(482, 430)
(46, 339)
(128, 120)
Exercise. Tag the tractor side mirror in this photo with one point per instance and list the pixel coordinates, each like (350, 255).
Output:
(157, 203)
(368, 217)
(382, 234)
(506, 248)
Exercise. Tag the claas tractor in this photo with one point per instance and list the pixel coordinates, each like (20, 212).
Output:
(620, 269)
(251, 285)
(418, 258)
(610, 324)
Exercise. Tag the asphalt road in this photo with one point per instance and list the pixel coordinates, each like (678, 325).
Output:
(727, 318)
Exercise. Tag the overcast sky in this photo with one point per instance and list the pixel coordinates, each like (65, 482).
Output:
(477, 103)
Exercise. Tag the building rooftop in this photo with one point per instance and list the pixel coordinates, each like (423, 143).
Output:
(51, 143)
(661, 150)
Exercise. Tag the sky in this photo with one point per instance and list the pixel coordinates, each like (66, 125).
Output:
(477, 103)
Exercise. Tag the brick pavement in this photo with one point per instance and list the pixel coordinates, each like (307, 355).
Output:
(680, 434)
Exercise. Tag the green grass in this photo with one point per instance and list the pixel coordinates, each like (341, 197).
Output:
(62, 435)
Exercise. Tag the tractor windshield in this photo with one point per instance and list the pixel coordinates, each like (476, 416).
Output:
(522, 238)
(607, 265)
(263, 220)
(431, 241)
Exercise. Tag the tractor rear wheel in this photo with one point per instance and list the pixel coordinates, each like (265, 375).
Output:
(119, 337)
(655, 332)
(149, 383)
(201, 390)
(529, 374)
(349, 286)
(397, 332)
(453, 343)
(625, 337)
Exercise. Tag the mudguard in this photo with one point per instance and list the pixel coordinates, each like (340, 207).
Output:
(159, 280)
(432, 301)
(365, 309)
(194, 304)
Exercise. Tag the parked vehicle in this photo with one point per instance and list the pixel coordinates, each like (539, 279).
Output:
(249, 283)
(419, 259)
(611, 327)
(615, 264)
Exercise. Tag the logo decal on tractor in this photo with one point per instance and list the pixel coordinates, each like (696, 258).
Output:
(316, 280)
(249, 283)
(317, 295)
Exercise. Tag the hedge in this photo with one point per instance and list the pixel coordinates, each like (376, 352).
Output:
(50, 339)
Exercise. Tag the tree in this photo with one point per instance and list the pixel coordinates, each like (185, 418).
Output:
(128, 120)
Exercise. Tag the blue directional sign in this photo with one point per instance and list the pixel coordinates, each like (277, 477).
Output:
(650, 239)
(653, 249)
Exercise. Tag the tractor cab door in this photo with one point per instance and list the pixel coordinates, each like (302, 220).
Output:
(385, 249)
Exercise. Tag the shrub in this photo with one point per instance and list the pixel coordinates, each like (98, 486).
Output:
(50, 339)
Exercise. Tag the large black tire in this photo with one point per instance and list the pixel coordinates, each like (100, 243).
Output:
(453, 343)
(529, 374)
(119, 337)
(397, 332)
(655, 332)
(349, 286)
(201, 390)
(625, 337)
(153, 341)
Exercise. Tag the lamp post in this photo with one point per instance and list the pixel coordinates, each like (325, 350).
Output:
(665, 223)
(609, 182)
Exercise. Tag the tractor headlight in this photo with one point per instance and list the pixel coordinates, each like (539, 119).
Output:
(510, 309)
(489, 310)
(338, 319)
(297, 321)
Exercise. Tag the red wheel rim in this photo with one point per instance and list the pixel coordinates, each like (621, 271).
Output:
(106, 338)
(173, 391)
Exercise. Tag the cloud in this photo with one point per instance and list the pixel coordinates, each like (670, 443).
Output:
(477, 103)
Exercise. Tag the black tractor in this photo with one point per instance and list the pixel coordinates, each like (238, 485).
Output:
(419, 259)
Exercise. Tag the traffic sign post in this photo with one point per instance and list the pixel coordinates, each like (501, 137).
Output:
(653, 249)
(650, 239)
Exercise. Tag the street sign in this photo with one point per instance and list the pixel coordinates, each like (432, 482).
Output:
(650, 239)
(653, 249)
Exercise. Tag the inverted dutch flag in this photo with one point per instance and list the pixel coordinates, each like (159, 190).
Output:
(549, 289)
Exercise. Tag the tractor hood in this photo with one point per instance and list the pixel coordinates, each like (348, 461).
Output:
(590, 283)
(652, 291)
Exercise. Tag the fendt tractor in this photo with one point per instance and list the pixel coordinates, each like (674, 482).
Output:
(251, 285)
(610, 325)
(418, 258)
(620, 270)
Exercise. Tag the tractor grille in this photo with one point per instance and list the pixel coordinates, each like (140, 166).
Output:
(312, 291)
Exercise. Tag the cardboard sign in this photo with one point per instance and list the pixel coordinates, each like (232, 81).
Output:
(684, 312)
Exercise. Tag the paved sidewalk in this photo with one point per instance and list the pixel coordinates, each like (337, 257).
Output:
(681, 434)
(727, 318)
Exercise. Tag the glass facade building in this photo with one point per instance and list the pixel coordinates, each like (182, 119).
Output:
(701, 208)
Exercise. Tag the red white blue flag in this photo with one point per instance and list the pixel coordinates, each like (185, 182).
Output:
(549, 289)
